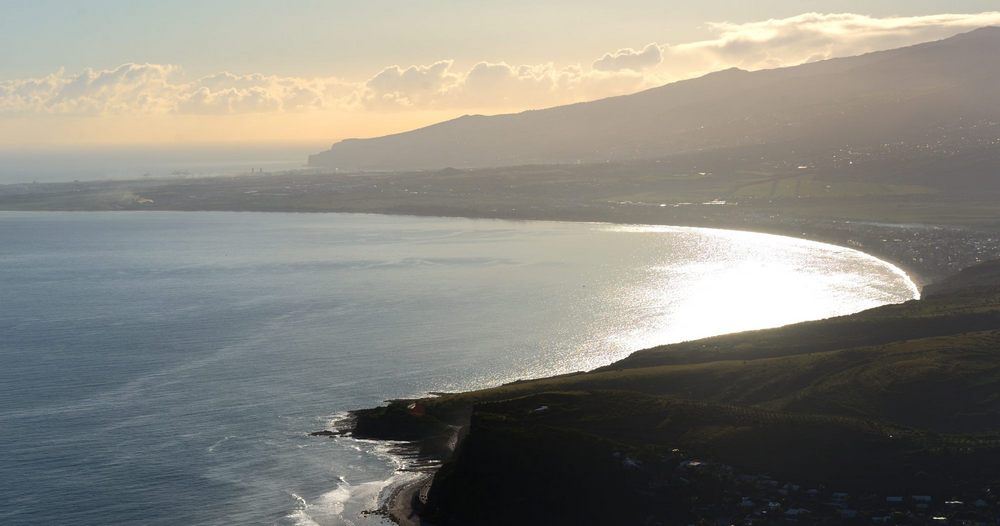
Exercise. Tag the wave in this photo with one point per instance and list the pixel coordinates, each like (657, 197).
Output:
(339, 506)
(211, 449)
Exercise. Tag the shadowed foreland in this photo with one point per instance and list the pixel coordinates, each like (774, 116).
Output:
(837, 417)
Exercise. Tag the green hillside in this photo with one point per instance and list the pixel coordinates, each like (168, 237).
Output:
(901, 398)
(609, 457)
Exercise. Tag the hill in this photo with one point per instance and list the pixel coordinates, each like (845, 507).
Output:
(930, 94)
(896, 399)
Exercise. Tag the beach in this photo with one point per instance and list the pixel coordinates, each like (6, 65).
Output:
(401, 505)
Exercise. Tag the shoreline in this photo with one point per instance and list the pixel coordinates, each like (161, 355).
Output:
(401, 502)
(404, 509)
(400, 506)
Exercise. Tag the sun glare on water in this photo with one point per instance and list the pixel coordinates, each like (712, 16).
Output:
(735, 285)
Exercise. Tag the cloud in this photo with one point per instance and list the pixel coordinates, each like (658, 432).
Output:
(502, 85)
(149, 89)
(629, 58)
(225, 92)
(809, 37)
(229, 100)
(414, 86)
(129, 87)
(163, 89)
(139, 88)
(492, 85)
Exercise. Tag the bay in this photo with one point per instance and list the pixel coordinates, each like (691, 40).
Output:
(166, 368)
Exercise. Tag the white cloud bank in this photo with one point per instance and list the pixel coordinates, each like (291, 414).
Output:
(813, 36)
(165, 89)
(629, 58)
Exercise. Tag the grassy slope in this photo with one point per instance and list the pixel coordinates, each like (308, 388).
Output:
(929, 364)
(897, 398)
(563, 464)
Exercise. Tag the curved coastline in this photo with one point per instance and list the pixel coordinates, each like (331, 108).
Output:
(612, 224)
(402, 501)
(915, 281)
(882, 446)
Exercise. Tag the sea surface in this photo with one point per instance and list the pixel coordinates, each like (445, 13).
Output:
(95, 163)
(166, 368)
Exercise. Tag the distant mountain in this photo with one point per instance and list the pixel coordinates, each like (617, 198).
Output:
(934, 92)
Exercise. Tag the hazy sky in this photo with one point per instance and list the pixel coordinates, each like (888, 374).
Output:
(111, 71)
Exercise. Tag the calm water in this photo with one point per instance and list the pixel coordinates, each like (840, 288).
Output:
(165, 368)
(60, 164)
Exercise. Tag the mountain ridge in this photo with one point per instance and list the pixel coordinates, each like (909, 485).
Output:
(919, 93)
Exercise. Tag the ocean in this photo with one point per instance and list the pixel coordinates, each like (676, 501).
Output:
(166, 368)
(97, 163)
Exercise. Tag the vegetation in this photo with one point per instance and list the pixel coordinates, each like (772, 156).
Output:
(897, 399)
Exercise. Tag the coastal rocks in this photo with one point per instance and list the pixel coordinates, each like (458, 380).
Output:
(327, 433)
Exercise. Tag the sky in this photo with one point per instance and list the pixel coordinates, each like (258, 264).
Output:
(107, 72)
